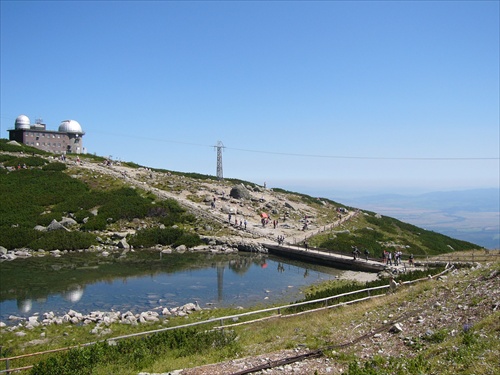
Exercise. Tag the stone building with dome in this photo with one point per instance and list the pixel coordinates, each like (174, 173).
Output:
(68, 139)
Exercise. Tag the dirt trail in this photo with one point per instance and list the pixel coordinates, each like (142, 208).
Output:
(255, 232)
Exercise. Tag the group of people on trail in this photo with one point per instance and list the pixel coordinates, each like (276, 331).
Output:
(356, 253)
(242, 223)
(395, 258)
(392, 258)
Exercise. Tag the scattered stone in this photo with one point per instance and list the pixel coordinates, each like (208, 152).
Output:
(396, 328)
(68, 222)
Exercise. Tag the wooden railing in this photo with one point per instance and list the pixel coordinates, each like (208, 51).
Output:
(277, 312)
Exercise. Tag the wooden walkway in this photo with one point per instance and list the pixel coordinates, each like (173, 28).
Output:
(324, 258)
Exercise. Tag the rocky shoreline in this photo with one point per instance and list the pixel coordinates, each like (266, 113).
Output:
(100, 319)
(212, 245)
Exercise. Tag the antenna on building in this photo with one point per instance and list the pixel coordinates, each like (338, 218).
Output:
(219, 147)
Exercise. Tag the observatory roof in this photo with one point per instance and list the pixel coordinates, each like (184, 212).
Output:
(70, 126)
(22, 122)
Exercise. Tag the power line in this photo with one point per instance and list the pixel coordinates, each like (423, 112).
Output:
(362, 157)
(467, 158)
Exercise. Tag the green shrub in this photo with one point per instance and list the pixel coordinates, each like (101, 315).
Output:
(95, 223)
(436, 337)
(63, 240)
(57, 166)
(5, 157)
(135, 353)
(15, 238)
(31, 161)
(80, 215)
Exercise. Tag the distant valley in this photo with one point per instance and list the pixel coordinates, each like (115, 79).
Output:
(469, 215)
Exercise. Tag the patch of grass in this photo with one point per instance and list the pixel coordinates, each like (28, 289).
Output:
(136, 354)
(379, 233)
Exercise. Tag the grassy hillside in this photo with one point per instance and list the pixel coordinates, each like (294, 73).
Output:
(47, 190)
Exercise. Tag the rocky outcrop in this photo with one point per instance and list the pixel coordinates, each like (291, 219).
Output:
(240, 192)
(68, 222)
(235, 244)
(55, 225)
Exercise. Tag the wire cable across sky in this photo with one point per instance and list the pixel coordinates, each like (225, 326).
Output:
(304, 155)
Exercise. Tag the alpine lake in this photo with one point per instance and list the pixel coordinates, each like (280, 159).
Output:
(145, 280)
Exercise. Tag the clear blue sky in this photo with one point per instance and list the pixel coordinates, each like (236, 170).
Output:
(358, 96)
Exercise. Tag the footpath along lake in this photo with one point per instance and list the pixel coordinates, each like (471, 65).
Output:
(146, 280)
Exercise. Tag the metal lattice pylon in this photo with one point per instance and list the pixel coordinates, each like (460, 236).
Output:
(219, 146)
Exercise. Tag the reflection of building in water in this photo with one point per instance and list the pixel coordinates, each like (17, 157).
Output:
(73, 295)
(24, 305)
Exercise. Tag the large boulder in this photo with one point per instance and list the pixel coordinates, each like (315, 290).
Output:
(239, 192)
(54, 225)
(68, 222)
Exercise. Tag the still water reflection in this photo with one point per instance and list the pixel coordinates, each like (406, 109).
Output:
(240, 280)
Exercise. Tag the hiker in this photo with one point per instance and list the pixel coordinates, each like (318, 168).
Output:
(355, 252)
(397, 258)
(410, 260)
(367, 253)
(306, 245)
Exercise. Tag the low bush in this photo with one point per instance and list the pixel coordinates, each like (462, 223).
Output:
(61, 239)
(15, 238)
(166, 237)
(31, 161)
(135, 354)
(57, 166)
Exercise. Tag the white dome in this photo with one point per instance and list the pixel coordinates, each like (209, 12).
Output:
(70, 126)
(24, 305)
(73, 295)
(22, 122)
